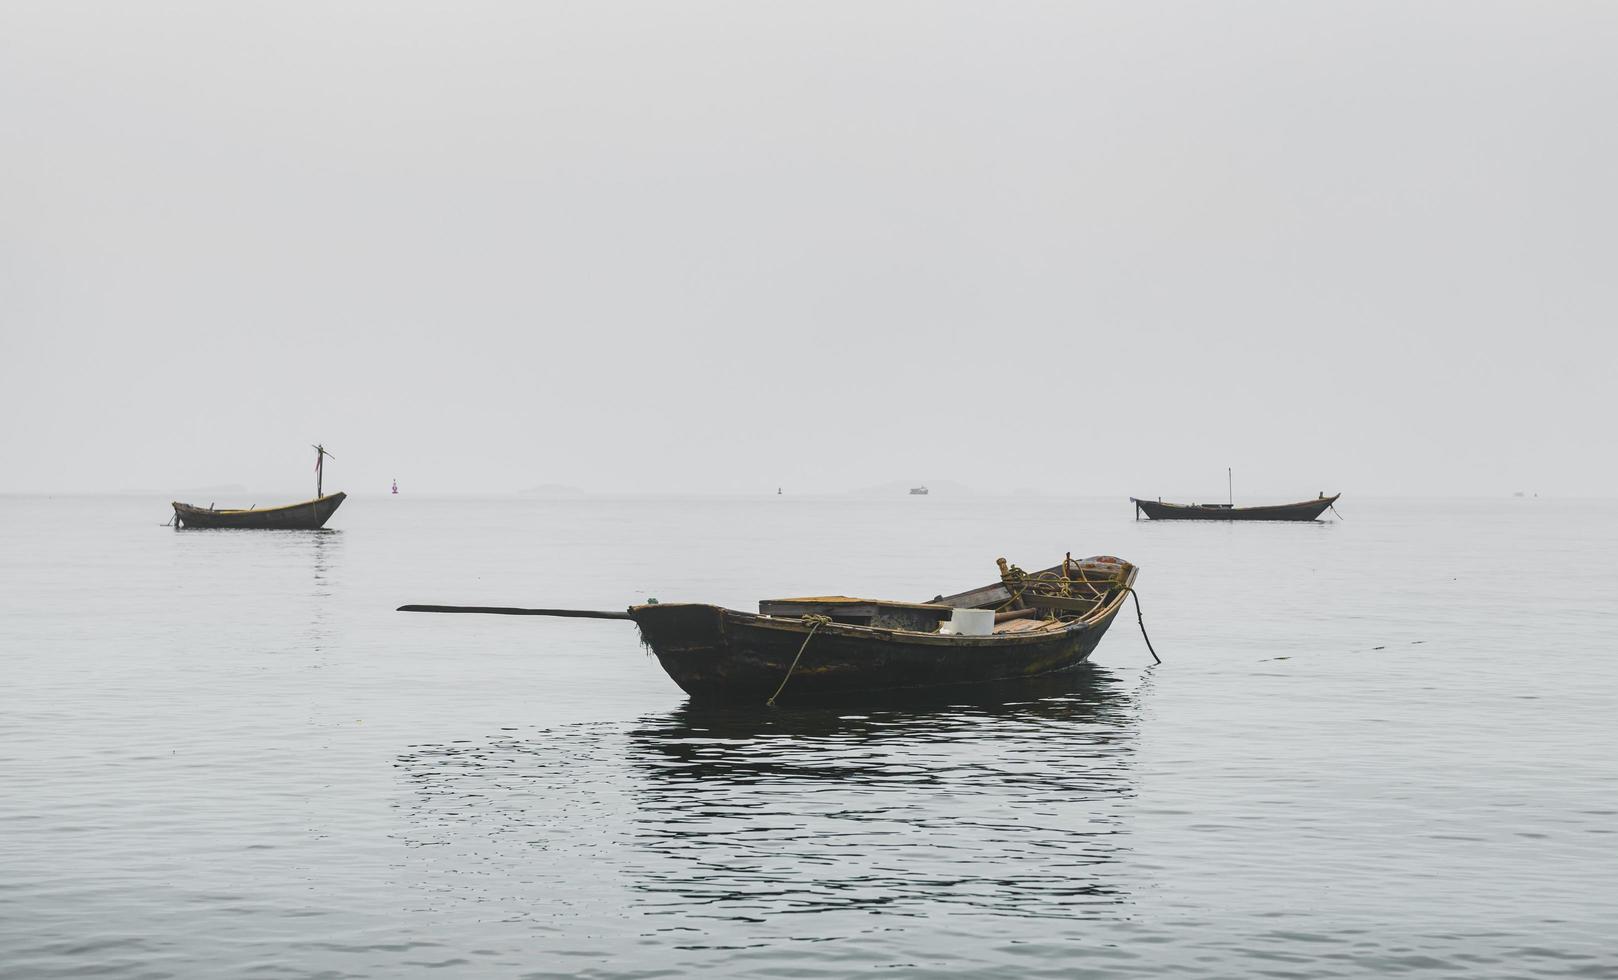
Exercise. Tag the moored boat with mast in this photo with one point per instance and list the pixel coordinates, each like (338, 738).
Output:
(306, 515)
(1303, 510)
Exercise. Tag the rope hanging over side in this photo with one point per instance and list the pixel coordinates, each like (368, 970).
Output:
(1142, 620)
(817, 621)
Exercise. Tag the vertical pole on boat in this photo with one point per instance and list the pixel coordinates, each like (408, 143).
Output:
(1230, 492)
(320, 468)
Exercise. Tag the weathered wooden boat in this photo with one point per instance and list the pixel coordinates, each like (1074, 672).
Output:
(1306, 510)
(833, 647)
(307, 515)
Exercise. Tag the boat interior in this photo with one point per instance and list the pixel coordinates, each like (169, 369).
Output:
(1022, 601)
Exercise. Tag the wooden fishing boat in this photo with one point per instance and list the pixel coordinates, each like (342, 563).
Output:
(307, 515)
(1305, 510)
(831, 647)
(1043, 623)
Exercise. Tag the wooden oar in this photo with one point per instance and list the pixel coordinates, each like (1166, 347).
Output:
(514, 611)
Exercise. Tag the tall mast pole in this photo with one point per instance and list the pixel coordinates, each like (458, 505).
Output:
(1230, 491)
(320, 468)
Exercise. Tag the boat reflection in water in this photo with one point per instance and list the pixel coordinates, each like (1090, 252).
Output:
(1008, 806)
(726, 820)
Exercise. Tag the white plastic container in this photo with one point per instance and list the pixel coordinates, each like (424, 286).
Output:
(969, 622)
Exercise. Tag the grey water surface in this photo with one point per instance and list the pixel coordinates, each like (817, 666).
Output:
(1378, 746)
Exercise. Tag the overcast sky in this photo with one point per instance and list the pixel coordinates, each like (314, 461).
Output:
(1096, 248)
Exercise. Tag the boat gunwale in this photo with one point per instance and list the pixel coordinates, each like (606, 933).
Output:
(255, 510)
(1103, 612)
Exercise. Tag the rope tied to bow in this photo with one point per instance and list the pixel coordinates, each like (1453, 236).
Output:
(816, 621)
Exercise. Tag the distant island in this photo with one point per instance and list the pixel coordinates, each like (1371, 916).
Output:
(222, 490)
(552, 490)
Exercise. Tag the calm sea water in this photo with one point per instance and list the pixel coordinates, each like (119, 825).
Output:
(1383, 746)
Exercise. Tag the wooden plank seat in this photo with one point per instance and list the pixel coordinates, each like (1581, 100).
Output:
(1070, 604)
(1024, 625)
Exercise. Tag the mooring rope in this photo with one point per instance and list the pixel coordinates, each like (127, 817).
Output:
(817, 620)
(1015, 580)
(1142, 620)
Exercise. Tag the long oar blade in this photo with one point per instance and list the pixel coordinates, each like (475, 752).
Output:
(515, 611)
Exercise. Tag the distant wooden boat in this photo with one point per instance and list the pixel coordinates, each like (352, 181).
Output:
(918, 491)
(1306, 510)
(308, 515)
(305, 516)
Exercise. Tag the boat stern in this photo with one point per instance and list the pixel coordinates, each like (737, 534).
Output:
(690, 640)
(677, 626)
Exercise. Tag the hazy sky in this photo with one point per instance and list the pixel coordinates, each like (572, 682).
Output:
(1105, 248)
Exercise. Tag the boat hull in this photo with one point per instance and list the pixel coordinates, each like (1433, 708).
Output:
(308, 515)
(1307, 510)
(721, 656)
